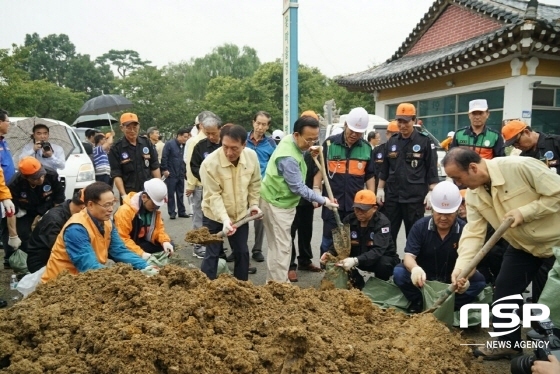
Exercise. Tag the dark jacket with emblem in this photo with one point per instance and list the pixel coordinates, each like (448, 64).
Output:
(38, 200)
(173, 159)
(200, 151)
(134, 164)
(547, 150)
(409, 167)
(370, 243)
(348, 169)
(44, 235)
(379, 154)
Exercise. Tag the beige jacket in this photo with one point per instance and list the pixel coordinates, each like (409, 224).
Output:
(192, 181)
(227, 192)
(522, 183)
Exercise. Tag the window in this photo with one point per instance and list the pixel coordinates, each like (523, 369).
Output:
(543, 97)
(545, 115)
(449, 113)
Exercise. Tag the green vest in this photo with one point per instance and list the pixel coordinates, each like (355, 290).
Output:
(274, 188)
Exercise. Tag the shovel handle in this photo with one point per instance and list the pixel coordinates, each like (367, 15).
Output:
(242, 222)
(323, 169)
(474, 262)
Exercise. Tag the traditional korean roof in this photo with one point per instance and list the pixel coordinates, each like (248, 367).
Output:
(517, 31)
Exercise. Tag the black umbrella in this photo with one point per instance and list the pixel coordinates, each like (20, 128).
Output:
(105, 104)
(94, 120)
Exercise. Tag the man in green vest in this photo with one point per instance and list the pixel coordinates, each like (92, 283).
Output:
(281, 189)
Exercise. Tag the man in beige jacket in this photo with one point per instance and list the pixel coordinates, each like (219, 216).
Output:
(231, 177)
(522, 188)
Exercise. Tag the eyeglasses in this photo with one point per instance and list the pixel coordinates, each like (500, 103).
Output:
(311, 141)
(106, 206)
(516, 142)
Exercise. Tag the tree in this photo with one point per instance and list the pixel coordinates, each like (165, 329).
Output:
(125, 61)
(49, 57)
(84, 76)
(237, 101)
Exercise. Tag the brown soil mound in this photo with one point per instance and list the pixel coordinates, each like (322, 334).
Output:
(202, 236)
(119, 321)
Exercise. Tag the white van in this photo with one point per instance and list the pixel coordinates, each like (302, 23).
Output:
(78, 171)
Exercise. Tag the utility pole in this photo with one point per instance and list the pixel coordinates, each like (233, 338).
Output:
(290, 64)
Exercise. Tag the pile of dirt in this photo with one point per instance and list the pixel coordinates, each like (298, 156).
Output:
(202, 236)
(119, 321)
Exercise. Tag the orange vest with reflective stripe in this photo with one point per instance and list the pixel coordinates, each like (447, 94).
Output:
(60, 260)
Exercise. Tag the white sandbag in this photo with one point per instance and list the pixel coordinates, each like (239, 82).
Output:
(28, 283)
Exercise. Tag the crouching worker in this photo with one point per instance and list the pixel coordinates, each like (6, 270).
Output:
(89, 238)
(373, 248)
(49, 226)
(431, 251)
(139, 221)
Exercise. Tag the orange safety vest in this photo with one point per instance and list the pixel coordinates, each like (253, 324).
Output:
(60, 260)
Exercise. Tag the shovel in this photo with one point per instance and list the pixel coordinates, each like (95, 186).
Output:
(203, 236)
(474, 262)
(341, 234)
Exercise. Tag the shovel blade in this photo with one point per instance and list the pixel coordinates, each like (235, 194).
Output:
(341, 241)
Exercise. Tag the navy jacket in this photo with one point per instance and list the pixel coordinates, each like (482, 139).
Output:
(172, 159)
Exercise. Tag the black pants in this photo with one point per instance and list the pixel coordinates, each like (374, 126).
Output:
(383, 269)
(519, 268)
(106, 178)
(238, 243)
(23, 227)
(175, 193)
(399, 212)
(303, 226)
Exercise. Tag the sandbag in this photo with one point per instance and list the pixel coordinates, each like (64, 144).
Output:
(18, 262)
(158, 259)
(29, 283)
(335, 275)
(551, 292)
(222, 267)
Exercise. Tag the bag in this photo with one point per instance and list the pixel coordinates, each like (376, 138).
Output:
(158, 259)
(335, 275)
(222, 267)
(28, 283)
(18, 262)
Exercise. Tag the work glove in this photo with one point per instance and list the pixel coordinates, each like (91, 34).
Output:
(167, 248)
(146, 255)
(348, 263)
(329, 204)
(418, 276)
(14, 242)
(228, 228)
(461, 290)
(380, 195)
(254, 210)
(150, 270)
(21, 212)
(9, 207)
(428, 200)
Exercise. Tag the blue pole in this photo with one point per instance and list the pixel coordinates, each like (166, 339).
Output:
(294, 64)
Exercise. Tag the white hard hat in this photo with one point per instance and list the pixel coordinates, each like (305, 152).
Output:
(156, 190)
(445, 197)
(336, 131)
(277, 134)
(358, 119)
(451, 134)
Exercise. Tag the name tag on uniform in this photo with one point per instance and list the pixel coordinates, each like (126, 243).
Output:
(393, 154)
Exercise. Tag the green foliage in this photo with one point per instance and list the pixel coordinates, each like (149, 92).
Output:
(125, 61)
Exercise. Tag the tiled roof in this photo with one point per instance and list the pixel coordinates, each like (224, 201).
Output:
(402, 70)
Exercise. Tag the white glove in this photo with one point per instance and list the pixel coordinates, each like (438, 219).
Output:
(254, 210)
(348, 263)
(9, 206)
(329, 204)
(418, 276)
(380, 195)
(150, 270)
(168, 248)
(461, 290)
(228, 228)
(21, 212)
(14, 242)
(146, 255)
(428, 201)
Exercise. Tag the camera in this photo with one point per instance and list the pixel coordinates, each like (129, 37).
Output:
(549, 344)
(46, 146)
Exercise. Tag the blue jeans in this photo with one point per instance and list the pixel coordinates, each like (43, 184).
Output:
(401, 277)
